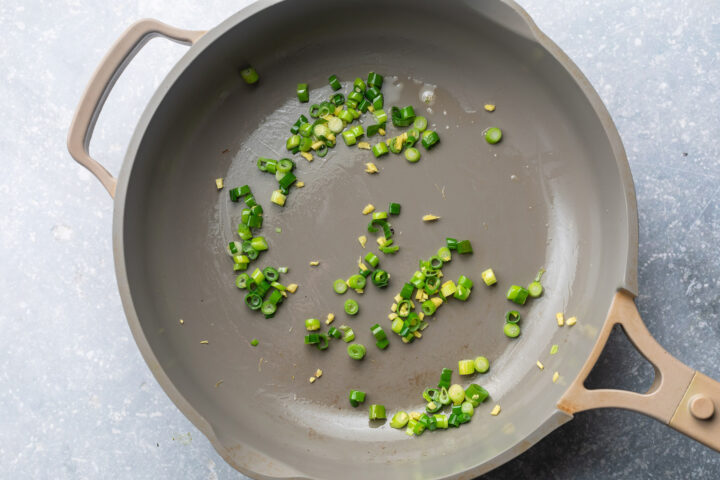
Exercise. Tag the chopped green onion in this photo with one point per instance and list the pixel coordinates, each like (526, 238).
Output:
(257, 276)
(553, 350)
(380, 278)
(493, 135)
(511, 330)
(379, 149)
(429, 307)
(351, 306)
(375, 80)
(259, 244)
(488, 277)
(372, 93)
(467, 408)
(249, 75)
(348, 334)
(293, 142)
(380, 336)
(464, 247)
(254, 342)
(253, 301)
(377, 412)
(334, 332)
(268, 309)
(475, 394)
(456, 394)
(517, 294)
(407, 291)
(323, 343)
(394, 209)
(359, 85)
(429, 139)
(355, 96)
(283, 270)
(302, 92)
(271, 274)
(412, 154)
(356, 397)
(535, 289)
(356, 351)
(513, 316)
(482, 364)
(266, 164)
(312, 324)
(380, 116)
(378, 102)
(340, 286)
(278, 198)
(399, 420)
(242, 280)
(349, 138)
(445, 255)
(380, 215)
(420, 123)
(355, 282)
(466, 367)
(373, 129)
(372, 259)
(364, 105)
(462, 293)
(334, 82)
(338, 99)
(445, 378)
(312, 339)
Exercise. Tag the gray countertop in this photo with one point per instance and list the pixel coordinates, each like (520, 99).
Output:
(76, 398)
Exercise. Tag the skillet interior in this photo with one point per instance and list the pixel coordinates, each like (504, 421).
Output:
(551, 194)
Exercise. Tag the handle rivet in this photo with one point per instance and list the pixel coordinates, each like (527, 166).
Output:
(701, 406)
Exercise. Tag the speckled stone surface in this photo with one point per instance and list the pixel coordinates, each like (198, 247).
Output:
(77, 400)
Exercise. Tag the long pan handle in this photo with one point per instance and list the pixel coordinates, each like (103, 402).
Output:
(680, 397)
(101, 83)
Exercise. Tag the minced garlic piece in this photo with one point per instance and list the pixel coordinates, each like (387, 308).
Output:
(418, 295)
(219, 183)
(417, 334)
(312, 379)
(430, 218)
(495, 411)
(421, 315)
(560, 319)
(540, 365)
(318, 373)
(437, 301)
(369, 208)
(490, 107)
(393, 308)
(204, 342)
(381, 241)
(393, 316)
(330, 318)
(371, 168)
(291, 288)
(299, 184)
(317, 145)
(182, 322)
(415, 415)
(398, 298)
(556, 376)
(314, 263)
(571, 321)
(363, 240)
(364, 145)
(381, 131)
(371, 109)
(307, 156)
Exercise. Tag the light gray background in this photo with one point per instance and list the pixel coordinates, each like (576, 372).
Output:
(76, 398)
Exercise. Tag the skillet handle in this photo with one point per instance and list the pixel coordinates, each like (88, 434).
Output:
(680, 397)
(101, 83)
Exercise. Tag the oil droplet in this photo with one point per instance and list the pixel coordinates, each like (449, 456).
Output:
(427, 94)
(513, 177)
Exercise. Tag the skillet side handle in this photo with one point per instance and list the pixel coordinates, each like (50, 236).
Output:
(680, 397)
(101, 83)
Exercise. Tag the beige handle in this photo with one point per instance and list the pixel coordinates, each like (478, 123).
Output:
(102, 81)
(680, 397)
